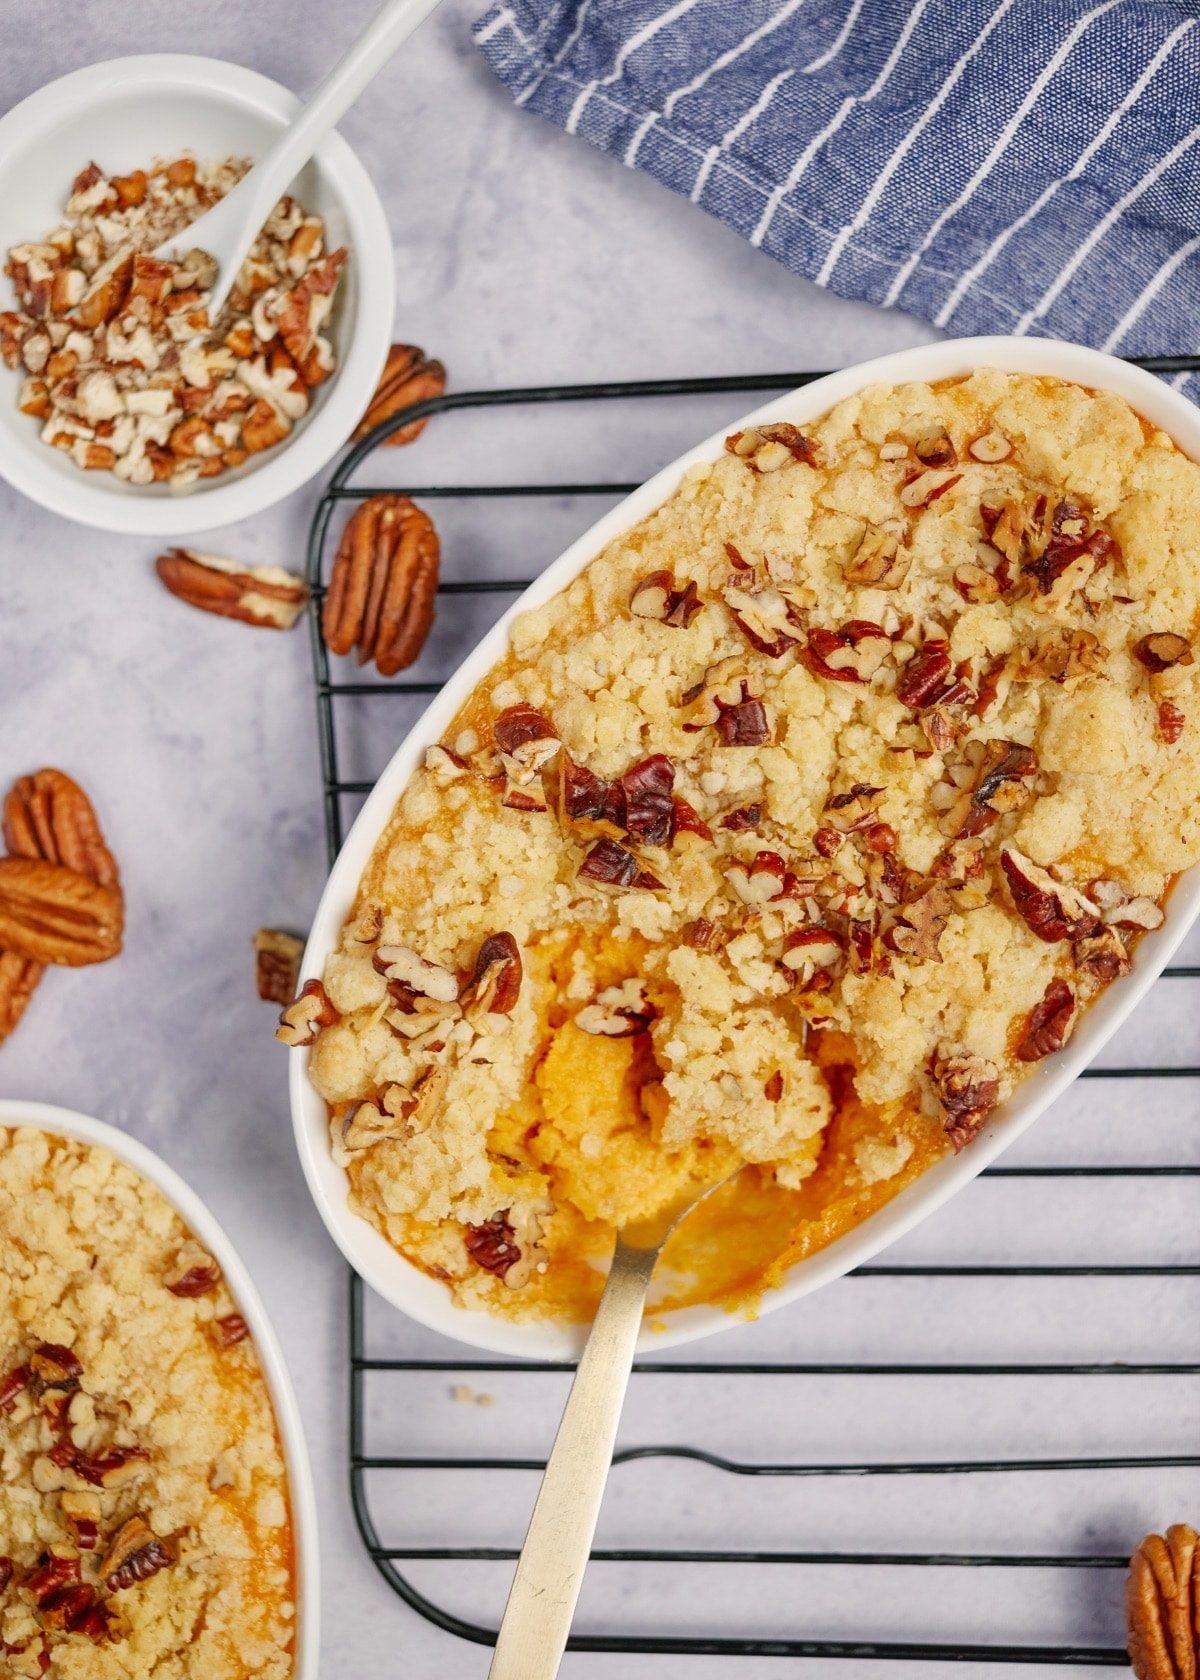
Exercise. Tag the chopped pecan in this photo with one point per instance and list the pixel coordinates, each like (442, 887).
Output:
(976, 583)
(496, 980)
(277, 958)
(856, 809)
(722, 687)
(492, 1245)
(935, 448)
(928, 486)
(227, 1332)
(1101, 955)
(64, 1610)
(265, 596)
(921, 924)
(761, 611)
(1051, 909)
(383, 584)
(1162, 1596)
(301, 312)
(54, 1366)
(657, 597)
(611, 865)
(809, 948)
(301, 1021)
(586, 797)
(852, 654)
(82, 1512)
(408, 378)
(194, 1273)
(744, 725)
(13, 1386)
(767, 448)
(1072, 548)
(134, 1553)
(649, 801)
(991, 447)
(57, 1568)
(925, 676)
(699, 935)
(759, 881)
(879, 561)
(968, 1087)
(1049, 1023)
(1162, 649)
(52, 914)
(744, 818)
(429, 979)
(1061, 657)
(618, 1012)
(997, 779)
(1170, 721)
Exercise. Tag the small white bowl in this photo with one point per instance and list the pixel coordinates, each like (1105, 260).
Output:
(123, 114)
(429, 1301)
(64, 1122)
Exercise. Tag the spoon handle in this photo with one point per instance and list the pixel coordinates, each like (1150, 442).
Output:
(541, 1604)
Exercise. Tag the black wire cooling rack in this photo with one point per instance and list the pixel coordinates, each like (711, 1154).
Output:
(739, 1565)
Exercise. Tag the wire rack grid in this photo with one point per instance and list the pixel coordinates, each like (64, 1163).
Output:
(1054, 1323)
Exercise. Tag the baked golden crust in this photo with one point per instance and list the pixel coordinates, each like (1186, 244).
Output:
(907, 674)
(143, 1505)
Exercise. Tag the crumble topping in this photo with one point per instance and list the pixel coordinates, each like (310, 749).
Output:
(816, 809)
(144, 1523)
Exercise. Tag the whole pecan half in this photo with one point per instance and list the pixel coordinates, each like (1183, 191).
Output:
(383, 584)
(134, 1553)
(1161, 1595)
(496, 980)
(49, 816)
(19, 978)
(54, 915)
(265, 596)
(408, 378)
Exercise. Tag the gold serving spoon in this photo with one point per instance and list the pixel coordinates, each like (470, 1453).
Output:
(545, 1589)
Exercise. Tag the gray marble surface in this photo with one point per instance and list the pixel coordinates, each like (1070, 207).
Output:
(523, 257)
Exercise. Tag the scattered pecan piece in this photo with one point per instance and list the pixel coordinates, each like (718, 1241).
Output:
(428, 979)
(301, 1021)
(657, 597)
(134, 1553)
(1170, 726)
(855, 809)
(265, 596)
(744, 725)
(408, 378)
(586, 797)
(1060, 657)
(936, 448)
(746, 817)
(64, 1610)
(1101, 955)
(1162, 649)
(761, 611)
(527, 742)
(879, 561)
(14, 1385)
(1051, 909)
(991, 447)
(53, 915)
(928, 486)
(925, 675)
(759, 881)
(194, 1273)
(383, 584)
(227, 1332)
(767, 448)
(722, 687)
(996, 780)
(1071, 547)
(82, 1512)
(922, 923)
(611, 865)
(1161, 1599)
(277, 964)
(852, 654)
(492, 1245)
(301, 312)
(55, 1366)
(1048, 1025)
(496, 980)
(968, 1087)
(811, 948)
(57, 1568)
(649, 800)
(618, 1012)
(699, 935)
(113, 1469)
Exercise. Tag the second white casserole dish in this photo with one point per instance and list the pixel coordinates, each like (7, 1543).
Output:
(428, 1300)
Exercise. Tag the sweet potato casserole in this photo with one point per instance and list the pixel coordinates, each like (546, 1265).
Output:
(795, 832)
(144, 1522)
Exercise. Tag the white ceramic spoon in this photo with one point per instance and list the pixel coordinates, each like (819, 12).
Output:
(541, 1602)
(228, 230)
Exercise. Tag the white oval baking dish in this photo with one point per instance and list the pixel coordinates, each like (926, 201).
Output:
(64, 1122)
(429, 1301)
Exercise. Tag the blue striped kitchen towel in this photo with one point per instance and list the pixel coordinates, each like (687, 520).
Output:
(1025, 166)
